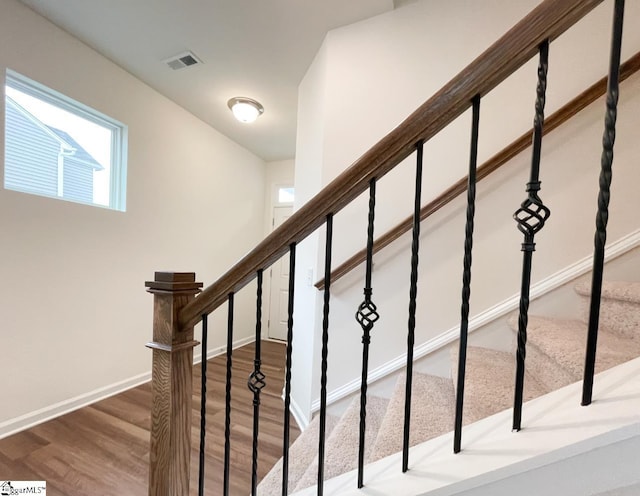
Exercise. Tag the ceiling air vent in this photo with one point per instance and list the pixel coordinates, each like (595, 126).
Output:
(182, 60)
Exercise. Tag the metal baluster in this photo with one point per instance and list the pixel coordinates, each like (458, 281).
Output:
(366, 316)
(287, 379)
(413, 292)
(531, 217)
(203, 403)
(255, 384)
(466, 276)
(227, 413)
(602, 217)
(325, 343)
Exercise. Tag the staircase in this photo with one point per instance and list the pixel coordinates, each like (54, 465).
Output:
(555, 359)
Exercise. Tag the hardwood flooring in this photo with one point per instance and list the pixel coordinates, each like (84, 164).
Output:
(103, 449)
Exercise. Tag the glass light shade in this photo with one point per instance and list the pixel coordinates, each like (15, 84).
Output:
(245, 109)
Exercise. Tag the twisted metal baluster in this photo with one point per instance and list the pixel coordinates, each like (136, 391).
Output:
(325, 343)
(531, 217)
(413, 292)
(466, 275)
(366, 316)
(602, 217)
(255, 384)
(287, 379)
(203, 404)
(227, 407)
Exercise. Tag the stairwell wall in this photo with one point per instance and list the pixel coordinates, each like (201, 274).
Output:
(75, 315)
(375, 73)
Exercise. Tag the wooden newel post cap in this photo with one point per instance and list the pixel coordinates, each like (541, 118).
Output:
(174, 282)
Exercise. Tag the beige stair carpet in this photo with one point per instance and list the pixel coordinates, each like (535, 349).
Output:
(341, 450)
(490, 382)
(556, 350)
(432, 413)
(619, 309)
(301, 454)
(555, 358)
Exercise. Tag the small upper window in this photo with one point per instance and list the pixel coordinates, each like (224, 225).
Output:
(57, 147)
(286, 195)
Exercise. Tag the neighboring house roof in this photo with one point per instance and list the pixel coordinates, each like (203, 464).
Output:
(79, 153)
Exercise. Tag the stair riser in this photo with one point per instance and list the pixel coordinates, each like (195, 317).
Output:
(432, 414)
(619, 317)
(547, 371)
(341, 453)
(490, 371)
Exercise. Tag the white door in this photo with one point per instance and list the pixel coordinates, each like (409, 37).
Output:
(279, 292)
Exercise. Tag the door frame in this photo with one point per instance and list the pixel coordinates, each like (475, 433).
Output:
(266, 320)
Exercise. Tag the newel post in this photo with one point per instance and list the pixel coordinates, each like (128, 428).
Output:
(172, 375)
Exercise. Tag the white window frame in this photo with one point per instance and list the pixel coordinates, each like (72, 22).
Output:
(119, 133)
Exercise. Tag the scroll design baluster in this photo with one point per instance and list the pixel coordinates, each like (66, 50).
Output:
(287, 380)
(413, 293)
(325, 352)
(255, 384)
(367, 315)
(466, 276)
(530, 218)
(602, 217)
(227, 407)
(203, 404)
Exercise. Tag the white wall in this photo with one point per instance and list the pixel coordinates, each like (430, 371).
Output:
(308, 168)
(373, 74)
(75, 314)
(578, 475)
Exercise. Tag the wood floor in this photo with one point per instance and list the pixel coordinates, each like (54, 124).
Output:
(103, 449)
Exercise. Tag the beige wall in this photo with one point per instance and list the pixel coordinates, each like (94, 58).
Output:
(75, 316)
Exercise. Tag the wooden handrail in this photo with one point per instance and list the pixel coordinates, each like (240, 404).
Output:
(552, 122)
(547, 21)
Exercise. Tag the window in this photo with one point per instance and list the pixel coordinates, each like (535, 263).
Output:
(57, 147)
(286, 195)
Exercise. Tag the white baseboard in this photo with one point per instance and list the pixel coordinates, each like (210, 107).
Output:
(31, 419)
(299, 415)
(554, 281)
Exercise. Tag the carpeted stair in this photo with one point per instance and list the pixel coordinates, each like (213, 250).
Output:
(555, 358)
(431, 414)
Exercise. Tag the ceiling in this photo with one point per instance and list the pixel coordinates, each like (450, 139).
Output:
(255, 48)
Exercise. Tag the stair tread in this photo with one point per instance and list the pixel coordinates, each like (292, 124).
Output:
(490, 382)
(432, 413)
(628, 291)
(341, 449)
(301, 454)
(564, 341)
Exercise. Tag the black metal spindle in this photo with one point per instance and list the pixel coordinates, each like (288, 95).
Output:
(203, 404)
(255, 384)
(325, 344)
(602, 217)
(531, 217)
(413, 293)
(287, 379)
(466, 275)
(366, 316)
(227, 410)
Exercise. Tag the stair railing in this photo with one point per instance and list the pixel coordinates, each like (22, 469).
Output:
(503, 157)
(177, 309)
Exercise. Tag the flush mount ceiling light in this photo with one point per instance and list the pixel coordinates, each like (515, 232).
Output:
(245, 109)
